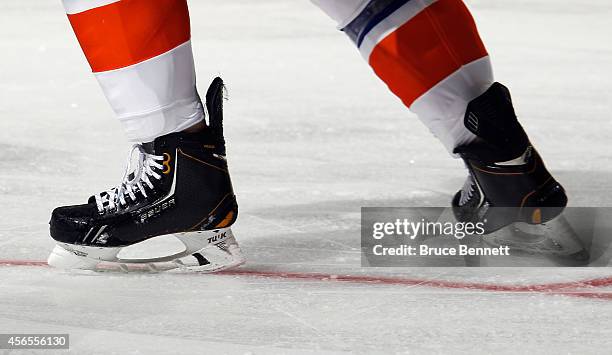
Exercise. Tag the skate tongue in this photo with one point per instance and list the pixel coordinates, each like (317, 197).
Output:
(214, 106)
(149, 147)
(210, 138)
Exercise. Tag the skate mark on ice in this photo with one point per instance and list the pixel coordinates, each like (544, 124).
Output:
(580, 288)
(308, 325)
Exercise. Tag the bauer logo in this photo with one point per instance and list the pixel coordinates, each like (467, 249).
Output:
(156, 211)
(430, 237)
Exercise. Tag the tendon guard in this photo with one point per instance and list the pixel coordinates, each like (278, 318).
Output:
(505, 170)
(181, 187)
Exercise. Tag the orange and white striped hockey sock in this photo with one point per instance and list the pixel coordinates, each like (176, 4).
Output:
(428, 52)
(140, 52)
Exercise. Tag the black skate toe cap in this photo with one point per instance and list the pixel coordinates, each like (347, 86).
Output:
(71, 223)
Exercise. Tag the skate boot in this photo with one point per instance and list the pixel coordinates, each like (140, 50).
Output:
(179, 188)
(507, 180)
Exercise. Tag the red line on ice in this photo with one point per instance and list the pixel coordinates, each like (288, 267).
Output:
(22, 263)
(582, 288)
(564, 287)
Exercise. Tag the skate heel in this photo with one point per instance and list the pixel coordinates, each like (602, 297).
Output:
(539, 207)
(222, 252)
(544, 205)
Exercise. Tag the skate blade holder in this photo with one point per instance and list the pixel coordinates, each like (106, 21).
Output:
(555, 237)
(204, 251)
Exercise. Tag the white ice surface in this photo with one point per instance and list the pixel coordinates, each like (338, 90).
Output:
(313, 136)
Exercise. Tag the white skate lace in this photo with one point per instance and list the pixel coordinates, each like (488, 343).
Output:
(132, 181)
(467, 190)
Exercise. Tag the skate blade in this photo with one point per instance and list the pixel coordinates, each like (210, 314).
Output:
(205, 251)
(555, 238)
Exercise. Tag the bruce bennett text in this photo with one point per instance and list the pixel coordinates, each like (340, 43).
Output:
(425, 250)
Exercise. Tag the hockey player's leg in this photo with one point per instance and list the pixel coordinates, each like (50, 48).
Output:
(140, 53)
(430, 55)
(180, 184)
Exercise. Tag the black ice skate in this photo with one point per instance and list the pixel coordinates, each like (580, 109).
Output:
(507, 180)
(180, 187)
